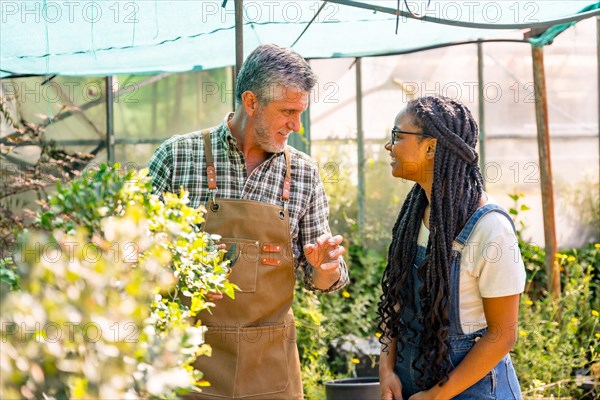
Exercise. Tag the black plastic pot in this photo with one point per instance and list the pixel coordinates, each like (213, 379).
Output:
(353, 389)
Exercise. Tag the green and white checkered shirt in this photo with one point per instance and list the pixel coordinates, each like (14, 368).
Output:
(180, 163)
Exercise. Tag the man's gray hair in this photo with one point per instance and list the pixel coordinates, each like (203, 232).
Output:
(270, 66)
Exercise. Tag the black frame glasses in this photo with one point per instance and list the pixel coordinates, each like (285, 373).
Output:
(396, 131)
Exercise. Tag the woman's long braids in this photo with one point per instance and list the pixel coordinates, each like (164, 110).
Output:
(455, 195)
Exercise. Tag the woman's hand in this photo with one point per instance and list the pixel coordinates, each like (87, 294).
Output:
(424, 395)
(391, 388)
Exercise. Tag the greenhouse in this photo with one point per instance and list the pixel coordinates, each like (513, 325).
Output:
(98, 293)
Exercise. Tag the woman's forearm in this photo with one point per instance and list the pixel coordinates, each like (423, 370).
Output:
(480, 360)
(387, 358)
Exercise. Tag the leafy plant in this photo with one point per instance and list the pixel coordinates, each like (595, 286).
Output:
(313, 337)
(532, 254)
(20, 177)
(323, 318)
(102, 262)
(558, 338)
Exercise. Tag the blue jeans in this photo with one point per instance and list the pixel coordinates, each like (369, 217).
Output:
(500, 383)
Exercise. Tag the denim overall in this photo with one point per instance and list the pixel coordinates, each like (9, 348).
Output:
(501, 382)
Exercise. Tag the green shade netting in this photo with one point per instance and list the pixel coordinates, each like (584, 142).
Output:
(114, 37)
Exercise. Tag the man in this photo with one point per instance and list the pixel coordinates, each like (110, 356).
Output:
(268, 200)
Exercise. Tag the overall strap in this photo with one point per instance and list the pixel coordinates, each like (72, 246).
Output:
(210, 162)
(466, 232)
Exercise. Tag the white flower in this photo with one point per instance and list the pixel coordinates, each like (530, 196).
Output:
(159, 382)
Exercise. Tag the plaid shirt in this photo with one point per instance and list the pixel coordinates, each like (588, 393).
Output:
(179, 162)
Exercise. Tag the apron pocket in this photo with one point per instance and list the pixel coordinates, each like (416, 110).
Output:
(245, 268)
(262, 364)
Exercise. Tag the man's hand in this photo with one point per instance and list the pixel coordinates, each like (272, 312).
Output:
(212, 296)
(324, 255)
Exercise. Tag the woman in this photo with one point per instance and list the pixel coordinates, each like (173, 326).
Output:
(450, 302)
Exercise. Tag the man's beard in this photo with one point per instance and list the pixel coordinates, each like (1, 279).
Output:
(264, 139)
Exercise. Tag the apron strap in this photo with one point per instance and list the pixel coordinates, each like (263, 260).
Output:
(210, 162)
(212, 175)
(287, 183)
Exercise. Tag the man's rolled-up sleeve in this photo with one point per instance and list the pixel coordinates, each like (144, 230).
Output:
(160, 167)
(313, 224)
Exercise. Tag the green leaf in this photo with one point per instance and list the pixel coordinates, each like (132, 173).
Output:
(46, 219)
(229, 291)
(9, 277)
(231, 255)
(513, 211)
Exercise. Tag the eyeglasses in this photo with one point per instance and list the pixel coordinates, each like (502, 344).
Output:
(396, 132)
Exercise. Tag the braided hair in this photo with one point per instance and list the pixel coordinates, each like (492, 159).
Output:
(455, 196)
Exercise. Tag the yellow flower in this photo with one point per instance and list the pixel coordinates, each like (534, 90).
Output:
(355, 360)
(378, 334)
(345, 294)
(522, 333)
(598, 335)
(574, 320)
(528, 302)
(571, 259)
(597, 245)
(595, 313)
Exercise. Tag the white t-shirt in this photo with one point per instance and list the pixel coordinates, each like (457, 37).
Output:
(490, 266)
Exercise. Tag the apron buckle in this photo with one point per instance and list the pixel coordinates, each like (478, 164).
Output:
(214, 206)
(283, 212)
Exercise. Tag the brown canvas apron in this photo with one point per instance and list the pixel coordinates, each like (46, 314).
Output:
(253, 337)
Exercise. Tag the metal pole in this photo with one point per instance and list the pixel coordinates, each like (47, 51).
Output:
(598, 67)
(110, 120)
(306, 124)
(233, 78)
(360, 146)
(543, 133)
(298, 141)
(154, 107)
(481, 112)
(239, 35)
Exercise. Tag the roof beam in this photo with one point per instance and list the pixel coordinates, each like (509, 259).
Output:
(464, 24)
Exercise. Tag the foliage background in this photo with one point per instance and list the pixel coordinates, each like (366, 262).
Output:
(559, 340)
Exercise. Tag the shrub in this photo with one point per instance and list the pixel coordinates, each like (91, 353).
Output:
(557, 337)
(99, 266)
(560, 338)
(323, 318)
